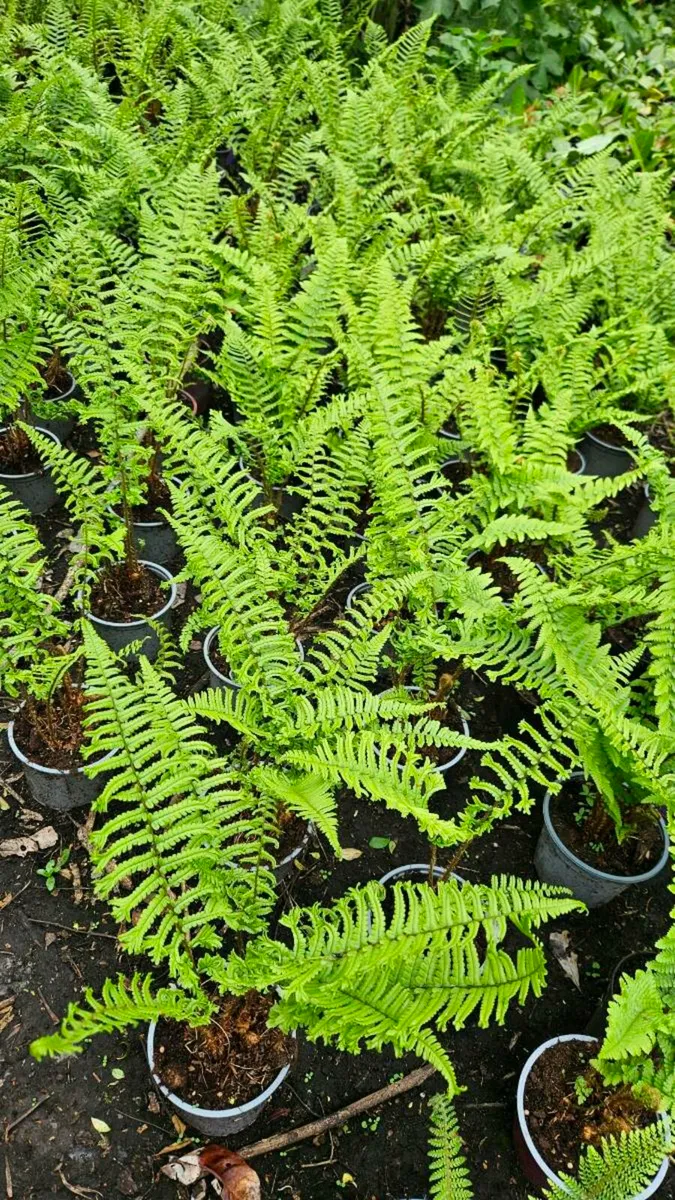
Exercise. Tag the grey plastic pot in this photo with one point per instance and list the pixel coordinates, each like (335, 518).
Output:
(119, 634)
(555, 863)
(602, 458)
(58, 790)
(646, 517)
(63, 426)
(533, 1164)
(36, 489)
(216, 677)
(214, 1122)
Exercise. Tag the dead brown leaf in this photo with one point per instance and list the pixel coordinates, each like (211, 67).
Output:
(42, 839)
(6, 1012)
(5, 900)
(351, 853)
(559, 942)
(186, 1170)
(153, 1103)
(239, 1180)
(178, 1125)
(78, 894)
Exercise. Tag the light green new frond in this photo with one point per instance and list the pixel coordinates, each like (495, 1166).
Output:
(308, 797)
(633, 1018)
(122, 1003)
(448, 1172)
(621, 1169)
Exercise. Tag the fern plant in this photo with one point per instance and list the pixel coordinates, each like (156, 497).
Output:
(354, 976)
(620, 1169)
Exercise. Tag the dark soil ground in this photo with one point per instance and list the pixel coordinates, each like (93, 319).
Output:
(52, 945)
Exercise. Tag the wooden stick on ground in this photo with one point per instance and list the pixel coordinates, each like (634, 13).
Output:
(281, 1140)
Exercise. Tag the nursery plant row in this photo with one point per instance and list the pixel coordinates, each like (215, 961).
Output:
(334, 375)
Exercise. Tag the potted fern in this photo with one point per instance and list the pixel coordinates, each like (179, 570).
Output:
(123, 594)
(187, 875)
(598, 843)
(577, 1090)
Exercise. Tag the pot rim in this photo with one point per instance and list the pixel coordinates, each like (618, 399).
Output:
(293, 854)
(163, 574)
(229, 679)
(63, 395)
(582, 458)
(418, 868)
(524, 1128)
(29, 474)
(622, 450)
(451, 437)
(186, 1107)
(360, 589)
(466, 729)
(594, 872)
(162, 523)
(36, 766)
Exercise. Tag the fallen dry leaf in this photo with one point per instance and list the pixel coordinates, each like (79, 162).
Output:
(19, 847)
(5, 900)
(50, 938)
(33, 818)
(350, 854)
(559, 941)
(186, 1170)
(239, 1180)
(78, 894)
(6, 1012)
(178, 1125)
(153, 1103)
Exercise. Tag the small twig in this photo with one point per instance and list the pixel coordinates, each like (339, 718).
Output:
(325, 1162)
(68, 579)
(7, 787)
(144, 1121)
(6, 903)
(49, 1011)
(9, 1187)
(69, 929)
(29, 1112)
(281, 1140)
(487, 1104)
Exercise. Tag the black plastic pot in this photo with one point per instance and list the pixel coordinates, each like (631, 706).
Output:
(556, 863)
(646, 518)
(155, 541)
(35, 489)
(58, 790)
(118, 634)
(602, 458)
(63, 426)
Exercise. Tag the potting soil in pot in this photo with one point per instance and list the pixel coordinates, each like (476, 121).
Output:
(560, 1125)
(17, 454)
(52, 735)
(227, 1063)
(122, 595)
(636, 854)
